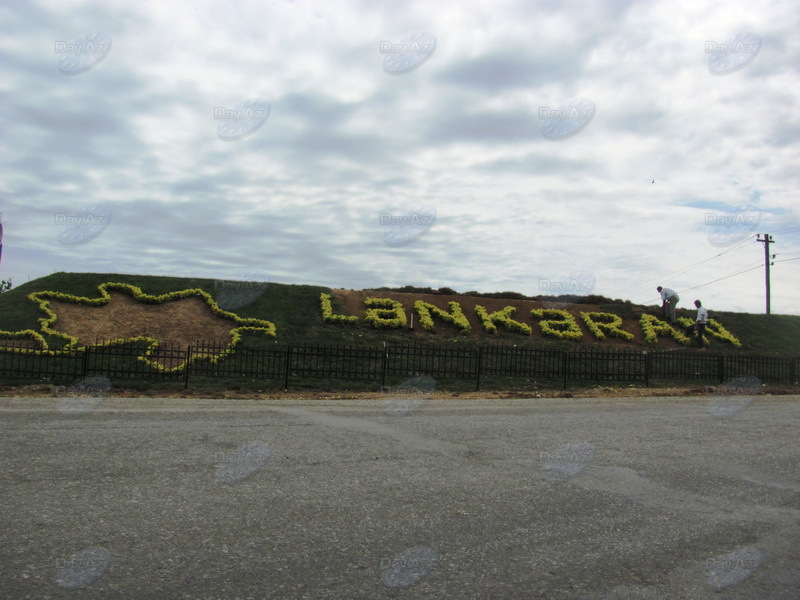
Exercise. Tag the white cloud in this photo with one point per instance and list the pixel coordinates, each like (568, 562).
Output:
(300, 198)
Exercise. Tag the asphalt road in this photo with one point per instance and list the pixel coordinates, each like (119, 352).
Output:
(636, 498)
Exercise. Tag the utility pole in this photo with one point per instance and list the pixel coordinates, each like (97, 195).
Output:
(767, 241)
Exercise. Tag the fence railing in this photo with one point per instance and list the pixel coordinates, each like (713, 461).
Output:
(282, 364)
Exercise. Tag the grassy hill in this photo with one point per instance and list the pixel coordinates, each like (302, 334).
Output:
(295, 311)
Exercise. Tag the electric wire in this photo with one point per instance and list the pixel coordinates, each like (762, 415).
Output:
(682, 270)
(758, 266)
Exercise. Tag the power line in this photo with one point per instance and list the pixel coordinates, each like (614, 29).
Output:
(768, 239)
(683, 270)
(791, 229)
(721, 278)
(758, 266)
(738, 246)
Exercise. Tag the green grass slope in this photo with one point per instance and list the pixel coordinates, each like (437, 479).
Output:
(290, 307)
(295, 311)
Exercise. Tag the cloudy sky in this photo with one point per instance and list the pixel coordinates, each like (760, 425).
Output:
(492, 145)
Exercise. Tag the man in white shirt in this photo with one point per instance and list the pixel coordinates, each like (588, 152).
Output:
(700, 323)
(669, 300)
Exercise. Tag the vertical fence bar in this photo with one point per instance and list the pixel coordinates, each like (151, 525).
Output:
(721, 368)
(85, 368)
(478, 370)
(288, 367)
(648, 365)
(186, 367)
(565, 366)
(384, 364)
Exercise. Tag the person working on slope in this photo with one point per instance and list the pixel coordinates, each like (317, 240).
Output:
(700, 323)
(669, 300)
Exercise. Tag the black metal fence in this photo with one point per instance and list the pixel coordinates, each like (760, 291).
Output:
(497, 364)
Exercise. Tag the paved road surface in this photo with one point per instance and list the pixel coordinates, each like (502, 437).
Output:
(657, 498)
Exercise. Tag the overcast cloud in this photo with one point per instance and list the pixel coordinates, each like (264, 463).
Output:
(494, 195)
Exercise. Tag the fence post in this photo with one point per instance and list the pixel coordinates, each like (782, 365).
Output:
(565, 366)
(480, 366)
(85, 368)
(384, 364)
(648, 365)
(288, 367)
(186, 367)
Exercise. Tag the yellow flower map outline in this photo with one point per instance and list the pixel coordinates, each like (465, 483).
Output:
(43, 298)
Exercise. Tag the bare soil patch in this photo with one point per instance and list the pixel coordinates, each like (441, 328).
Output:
(179, 322)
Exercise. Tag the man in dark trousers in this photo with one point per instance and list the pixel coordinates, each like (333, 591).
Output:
(700, 323)
(669, 300)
